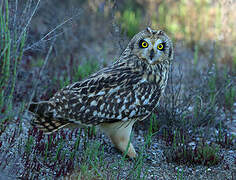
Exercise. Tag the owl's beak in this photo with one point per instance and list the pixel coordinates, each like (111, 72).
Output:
(151, 54)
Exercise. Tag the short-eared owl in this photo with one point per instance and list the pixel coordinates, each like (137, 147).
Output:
(115, 97)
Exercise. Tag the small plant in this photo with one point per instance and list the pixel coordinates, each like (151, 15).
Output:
(180, 174)
(148, 137)
(29, 145)
(230, 95)
(138, 166)
(154, 126)
(92, 162)
(181, 152)
(203, 154)
(224, 139)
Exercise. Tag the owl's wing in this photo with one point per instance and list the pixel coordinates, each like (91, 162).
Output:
(114, 94)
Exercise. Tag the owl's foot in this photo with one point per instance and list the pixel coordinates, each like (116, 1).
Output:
(119, 132)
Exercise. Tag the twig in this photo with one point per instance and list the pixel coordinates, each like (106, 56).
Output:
(24, 30)
(50, 32)
(40, 73)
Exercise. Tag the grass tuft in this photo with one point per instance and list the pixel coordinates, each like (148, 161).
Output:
(182, 151)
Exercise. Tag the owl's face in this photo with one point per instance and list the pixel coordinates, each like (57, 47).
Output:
(152, 46)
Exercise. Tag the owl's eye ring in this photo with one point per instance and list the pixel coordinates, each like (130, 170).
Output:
(161, 46)
(143, 44)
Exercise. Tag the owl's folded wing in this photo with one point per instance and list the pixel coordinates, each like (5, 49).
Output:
(114, 95)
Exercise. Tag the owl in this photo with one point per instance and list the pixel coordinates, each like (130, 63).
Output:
(115, 97)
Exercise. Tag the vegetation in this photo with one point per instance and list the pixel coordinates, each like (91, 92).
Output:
(11, 48)
(192, 127)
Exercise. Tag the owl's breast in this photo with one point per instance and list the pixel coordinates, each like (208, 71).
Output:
(147, 96)
(151, 87)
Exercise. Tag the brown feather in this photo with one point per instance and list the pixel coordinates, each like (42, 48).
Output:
(48, 125)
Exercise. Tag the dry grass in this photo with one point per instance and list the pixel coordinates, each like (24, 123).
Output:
(199, 99)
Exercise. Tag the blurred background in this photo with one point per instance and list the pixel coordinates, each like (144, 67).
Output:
(201, 25)
(47, 44)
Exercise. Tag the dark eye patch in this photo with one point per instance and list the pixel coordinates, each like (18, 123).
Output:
(164, 46)
(140, 43)
(170, 52)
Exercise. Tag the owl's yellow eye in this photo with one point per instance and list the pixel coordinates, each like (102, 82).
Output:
(160, 46)
(143, 44)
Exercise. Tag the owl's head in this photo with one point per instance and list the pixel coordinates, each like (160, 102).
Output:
(151, 46)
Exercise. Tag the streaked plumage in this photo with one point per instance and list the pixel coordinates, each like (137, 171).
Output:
(120, 94)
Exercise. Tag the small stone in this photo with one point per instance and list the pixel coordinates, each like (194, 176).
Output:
(192, 144)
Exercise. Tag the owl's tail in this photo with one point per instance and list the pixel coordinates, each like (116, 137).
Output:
(44, 120)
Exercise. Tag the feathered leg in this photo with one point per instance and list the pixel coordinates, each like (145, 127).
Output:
(119, 132)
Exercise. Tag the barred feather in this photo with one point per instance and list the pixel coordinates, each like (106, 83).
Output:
(48, 125)
(43, 120)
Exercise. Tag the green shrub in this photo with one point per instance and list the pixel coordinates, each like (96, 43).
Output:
(130, 21)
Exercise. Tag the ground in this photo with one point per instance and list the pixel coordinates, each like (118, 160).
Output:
(190, 136)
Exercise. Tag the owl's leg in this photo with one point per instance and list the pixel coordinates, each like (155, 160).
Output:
(119, 132)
